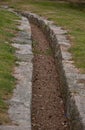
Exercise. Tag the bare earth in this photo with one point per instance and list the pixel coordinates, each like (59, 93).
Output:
(47, 105)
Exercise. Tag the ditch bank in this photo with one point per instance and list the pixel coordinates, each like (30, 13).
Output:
(71, 81)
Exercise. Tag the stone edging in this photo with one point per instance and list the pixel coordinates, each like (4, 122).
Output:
(72, 89)
(20, 103)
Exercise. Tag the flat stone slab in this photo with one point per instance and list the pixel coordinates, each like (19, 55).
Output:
(20, 103)
(23, 49)
(15, 128)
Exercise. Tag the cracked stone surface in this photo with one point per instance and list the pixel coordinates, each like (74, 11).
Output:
(20, 104)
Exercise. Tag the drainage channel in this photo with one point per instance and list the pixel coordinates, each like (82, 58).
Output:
(46, 110)
(47, 105)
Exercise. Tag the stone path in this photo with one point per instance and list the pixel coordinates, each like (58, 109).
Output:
(20, 104)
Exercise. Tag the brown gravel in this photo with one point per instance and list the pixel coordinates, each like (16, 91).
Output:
(47, 105)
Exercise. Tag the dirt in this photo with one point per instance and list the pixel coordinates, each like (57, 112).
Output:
(47, 105)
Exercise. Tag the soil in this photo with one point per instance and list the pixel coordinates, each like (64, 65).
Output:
(47, 105)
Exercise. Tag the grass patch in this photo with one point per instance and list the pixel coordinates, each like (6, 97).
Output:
(63, 15)
(7, 61)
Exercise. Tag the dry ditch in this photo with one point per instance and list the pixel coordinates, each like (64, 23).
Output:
(73, 91)
(53, 73)
(47, 105)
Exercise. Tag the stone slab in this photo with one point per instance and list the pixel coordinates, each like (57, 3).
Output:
(20, 103)
(15, 128)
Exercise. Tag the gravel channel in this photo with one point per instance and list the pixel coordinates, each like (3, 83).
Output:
(47, 104)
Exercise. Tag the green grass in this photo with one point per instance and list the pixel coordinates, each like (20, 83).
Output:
(63, 15)
(7, 61)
